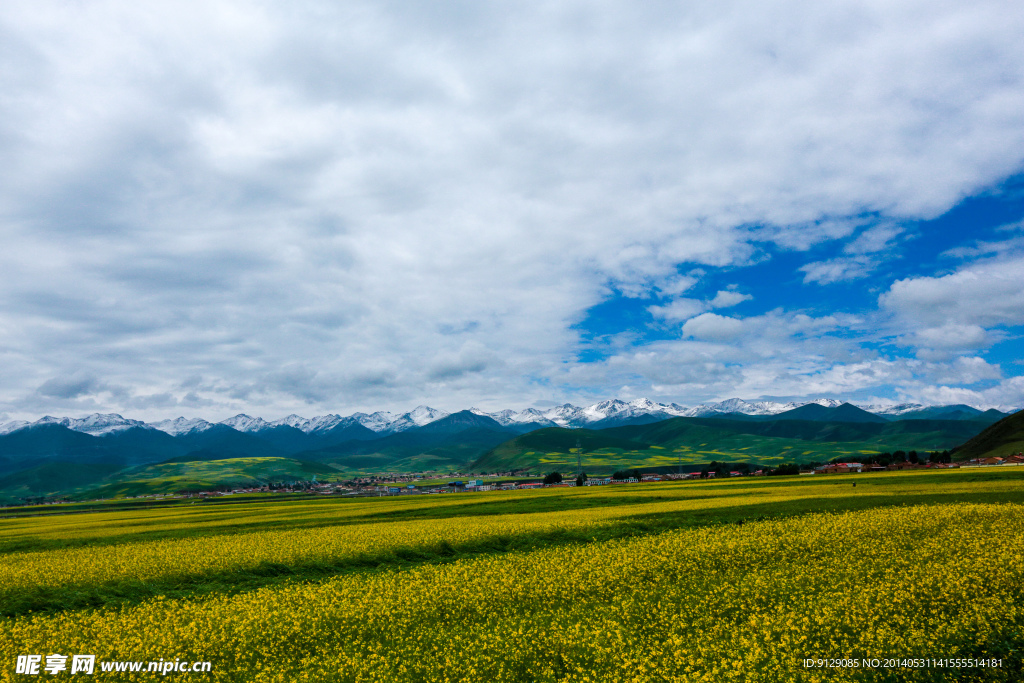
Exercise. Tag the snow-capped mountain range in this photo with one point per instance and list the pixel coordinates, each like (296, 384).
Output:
(383, 423)
(95, 424)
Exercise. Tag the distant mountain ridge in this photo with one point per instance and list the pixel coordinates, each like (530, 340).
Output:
(608, 413)
(846, 412)
(44, 455)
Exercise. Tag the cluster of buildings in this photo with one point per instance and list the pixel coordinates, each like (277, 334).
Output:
(1012, 459)
(407, 484)
(856, 467)
(475, 485)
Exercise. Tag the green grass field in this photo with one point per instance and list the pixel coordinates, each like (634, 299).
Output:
(543, 585)
(765, 451)
(693, 441)
(164, 478)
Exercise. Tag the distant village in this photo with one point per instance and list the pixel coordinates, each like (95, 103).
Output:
(395, 484)
(404, 484)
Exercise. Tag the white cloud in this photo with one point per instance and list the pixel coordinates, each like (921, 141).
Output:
(968, 370)
(999, 248)
(952, 336)
(676, 285)
(983, 294)
(70, 387)
(785, 355)
(713, 327)
(684, 309)
(1006, 395)
(678, 310)
(875, 239)
(838, 269)
(847, 378)
(728, 298)
(361, 192)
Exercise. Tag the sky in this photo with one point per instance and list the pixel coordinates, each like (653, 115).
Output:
(217, 207)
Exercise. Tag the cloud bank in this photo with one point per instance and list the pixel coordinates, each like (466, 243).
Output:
(228, 206)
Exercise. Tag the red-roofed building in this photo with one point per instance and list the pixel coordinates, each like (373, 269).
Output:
(839, 468)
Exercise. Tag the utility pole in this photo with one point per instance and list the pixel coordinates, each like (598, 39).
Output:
(579, 459)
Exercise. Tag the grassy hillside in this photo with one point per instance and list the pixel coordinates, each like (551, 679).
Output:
(52, 478)
(27, 448)
(1001, 439)
(415, 450)
(954, 412)
(230, 443)
(688, 441)
(173, 477)
(551, 448)
(290, 440)
(906, 434)
(54, 443)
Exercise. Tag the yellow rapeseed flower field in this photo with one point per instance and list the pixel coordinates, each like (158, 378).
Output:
(148, 560)
(746, 602)
(243, 538)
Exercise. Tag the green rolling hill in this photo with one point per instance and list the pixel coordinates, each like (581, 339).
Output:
(83, 482)
(407, 451)
(551, 448)
(1001, 439)
(689, 441)
(953, 412)
(905, 434)
(446, 444)
(52, 478)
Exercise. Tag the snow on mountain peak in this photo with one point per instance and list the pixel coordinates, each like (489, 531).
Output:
(383, 422)
(738, 405)
(479, 411)
(416, 417)
(827, 402)
(565, 415)
(732, 405)
(245, 423)
(892, 409)
(528, 416)
(321, 423)
(616, 408)
(96, 424)
(607, 408)
(422, 415)
(645, 404)
(180, 425)
(502, 417)
(510, 417)
(377, 422)
(12, 426)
